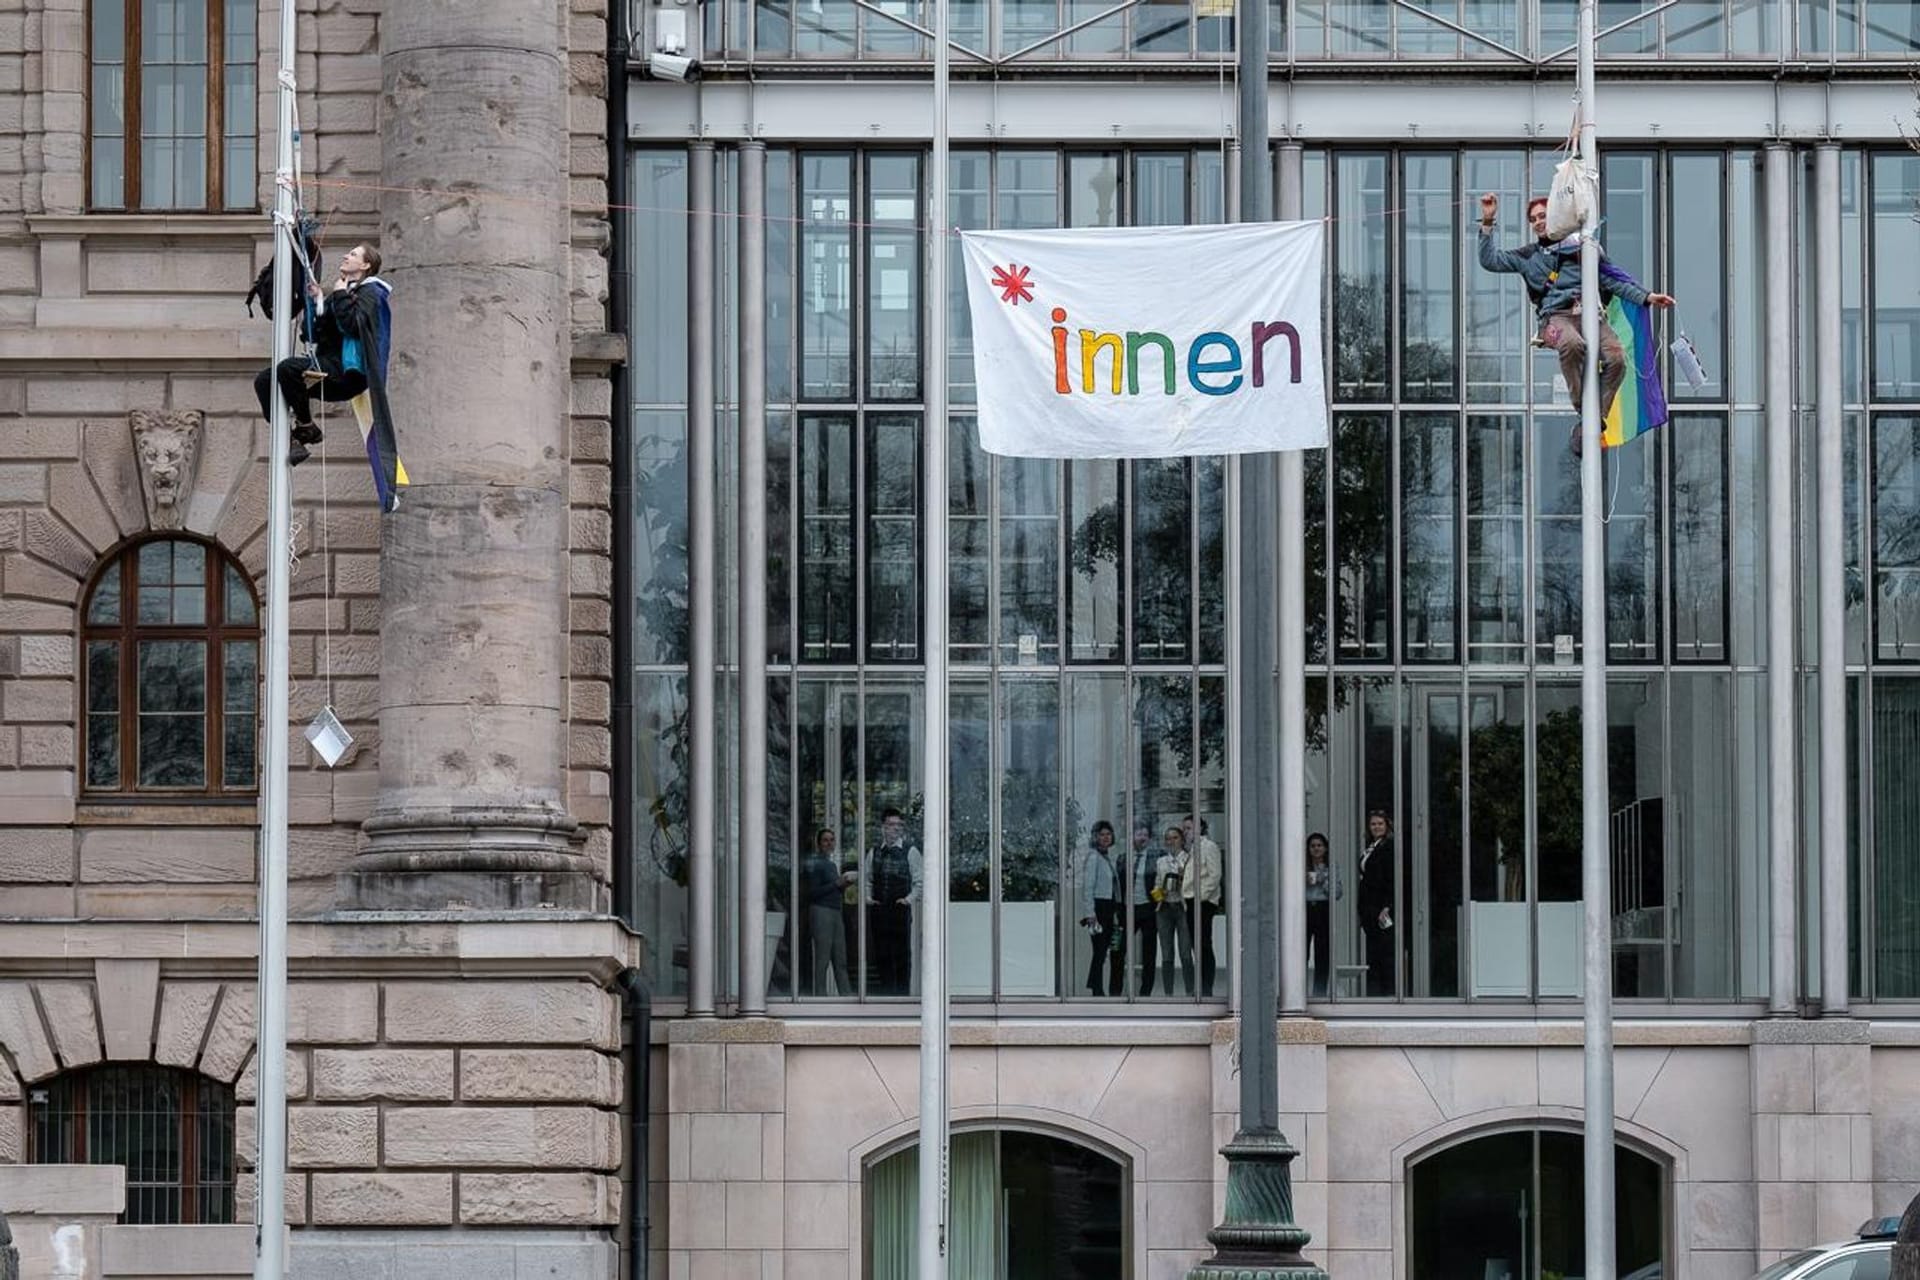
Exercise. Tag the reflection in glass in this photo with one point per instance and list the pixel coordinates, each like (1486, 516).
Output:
(1094, 602)
(1314, 519)
(172, 708)
(1428, 270)
(1360, 276)
(1030, 778)
(1160, 189)
(970, 209)
(660, 755)
(890, 864)
(1365, 744)
(1895, 928)
(970, 842)
(1210, 485)
(969, 526)
(893, 277)
(1698, 248)
(1029, 561)
(659, 539)
(1633, 549)
(826, 538)
(1710, 921)
(1638, 813)
(106, 596)
(1433, 802)
(827, 824)
(1896, 267)
(240, 695)
(826, 277)
(659, 228)
(1496, 538)
(1162, 562)
(1699, 516)
(1896, 537)
(1095, 763)
(103, 714)
(1557, 821)
(1430, 581)
(1497, 320)
(1362, 533)
(1499, 943)
(892, 538)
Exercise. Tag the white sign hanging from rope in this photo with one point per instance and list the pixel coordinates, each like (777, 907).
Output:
(1148, 342)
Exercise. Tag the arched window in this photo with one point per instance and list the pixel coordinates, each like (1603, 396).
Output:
(1021, 1204)
(1510, 1206)
(173, 1130)
(172, 658)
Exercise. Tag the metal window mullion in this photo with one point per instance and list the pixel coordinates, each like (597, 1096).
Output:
(1530, 855)
(1669, 834)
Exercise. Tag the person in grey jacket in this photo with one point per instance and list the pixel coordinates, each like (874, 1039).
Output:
(1100, 898)
(1551, 269)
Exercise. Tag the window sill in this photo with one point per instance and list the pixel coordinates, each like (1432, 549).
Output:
(156, 223)
(146, 811)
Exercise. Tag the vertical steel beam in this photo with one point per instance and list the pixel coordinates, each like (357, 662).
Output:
(1832, 610)
(1292, 729)
(752, 519)
(1783, 784)
(702, 592)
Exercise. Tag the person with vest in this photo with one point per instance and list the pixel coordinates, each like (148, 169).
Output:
(892, 893)
(1551, 270)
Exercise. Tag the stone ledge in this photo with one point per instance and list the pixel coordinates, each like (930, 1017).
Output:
(415, 945)
(1812, 1031)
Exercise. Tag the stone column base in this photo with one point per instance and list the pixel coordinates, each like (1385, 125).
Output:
(473, 1255)
(473, 859)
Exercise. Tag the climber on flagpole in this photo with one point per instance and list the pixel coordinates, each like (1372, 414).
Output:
(1550, 266)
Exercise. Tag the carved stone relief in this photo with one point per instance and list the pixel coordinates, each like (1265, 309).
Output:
(168, 446)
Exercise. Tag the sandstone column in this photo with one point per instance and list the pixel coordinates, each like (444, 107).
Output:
(473, 565)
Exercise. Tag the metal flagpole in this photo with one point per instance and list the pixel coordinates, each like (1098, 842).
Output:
(1596, 862)
(270, 1163)
(932, 1241)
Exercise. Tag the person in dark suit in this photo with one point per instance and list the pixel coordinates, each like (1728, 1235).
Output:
(1375, 902)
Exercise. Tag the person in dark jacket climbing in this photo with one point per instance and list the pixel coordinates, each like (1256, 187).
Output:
(1551, 270)
(342, 316)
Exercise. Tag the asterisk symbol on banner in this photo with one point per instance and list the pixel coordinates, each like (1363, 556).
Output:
(1013, 284)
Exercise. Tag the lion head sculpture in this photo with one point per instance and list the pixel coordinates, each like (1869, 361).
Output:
(168, 445)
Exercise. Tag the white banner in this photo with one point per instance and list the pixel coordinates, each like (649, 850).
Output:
(1148, 342)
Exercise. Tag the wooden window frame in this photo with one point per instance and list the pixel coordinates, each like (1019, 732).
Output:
(214, 632)
(131, 177)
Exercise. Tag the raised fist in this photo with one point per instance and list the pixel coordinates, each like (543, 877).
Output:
(1489, 207)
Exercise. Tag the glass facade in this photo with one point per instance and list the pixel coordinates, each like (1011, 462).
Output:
(1091, 849)
(1491, 31)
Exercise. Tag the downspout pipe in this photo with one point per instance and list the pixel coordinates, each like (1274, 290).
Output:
(639, 1091)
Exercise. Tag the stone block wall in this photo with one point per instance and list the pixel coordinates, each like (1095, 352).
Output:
(1813, 1131)
(415, 1100)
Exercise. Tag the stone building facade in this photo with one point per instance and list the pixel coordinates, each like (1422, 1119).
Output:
(454, 1060)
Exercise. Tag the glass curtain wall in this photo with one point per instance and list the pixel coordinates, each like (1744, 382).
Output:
(1087, 612)
(1087, 603)
(1486, 31)
(1444, 632)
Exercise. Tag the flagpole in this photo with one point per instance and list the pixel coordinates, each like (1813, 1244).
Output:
(932, 1230)
(270, 1163)
(1596, 861)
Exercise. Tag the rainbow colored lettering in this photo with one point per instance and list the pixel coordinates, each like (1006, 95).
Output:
(1213, 365)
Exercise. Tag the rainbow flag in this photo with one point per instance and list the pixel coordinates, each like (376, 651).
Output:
(1642, 402)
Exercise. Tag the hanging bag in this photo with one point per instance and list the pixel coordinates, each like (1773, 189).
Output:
(1573, 197)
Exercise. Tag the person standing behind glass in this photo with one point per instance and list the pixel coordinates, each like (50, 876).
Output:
(1205, 898)
(893, 891)
(1100, 910)
(1322, 890)
(1142, 874)
(1375, 901)
(1170, 911)
(823, 888)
